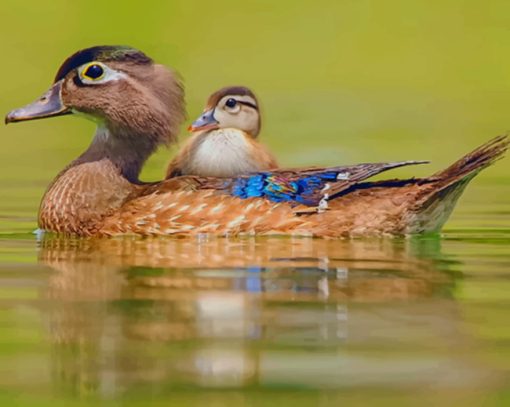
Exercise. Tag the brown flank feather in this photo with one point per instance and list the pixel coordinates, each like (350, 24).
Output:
(380, 208)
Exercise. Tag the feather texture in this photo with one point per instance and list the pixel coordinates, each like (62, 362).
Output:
(305, 186)
(262, 204)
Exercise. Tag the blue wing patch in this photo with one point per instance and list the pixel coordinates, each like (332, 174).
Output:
(280, 189)
(312, 187)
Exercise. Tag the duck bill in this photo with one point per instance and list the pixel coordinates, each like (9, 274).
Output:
(48, 105)
(204, 122)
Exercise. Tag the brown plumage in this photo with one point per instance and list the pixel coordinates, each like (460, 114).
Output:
(100, 194)
(394, 207)
(224, 141)
(214, 99)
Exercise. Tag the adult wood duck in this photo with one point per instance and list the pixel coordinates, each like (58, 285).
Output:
(224, 141)
(138, 106)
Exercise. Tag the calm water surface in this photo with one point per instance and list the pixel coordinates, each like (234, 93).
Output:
(263, 321)
(217, 322)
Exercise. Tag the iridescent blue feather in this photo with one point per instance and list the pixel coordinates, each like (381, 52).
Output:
(307, 187)
(277, 188)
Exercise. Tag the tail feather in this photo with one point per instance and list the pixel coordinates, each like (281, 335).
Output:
(444, 188)
(476, 160)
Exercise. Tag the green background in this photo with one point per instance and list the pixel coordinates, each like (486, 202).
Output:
(339, 81)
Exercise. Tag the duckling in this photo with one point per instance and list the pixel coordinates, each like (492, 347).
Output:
(139, 105)
(224, 141)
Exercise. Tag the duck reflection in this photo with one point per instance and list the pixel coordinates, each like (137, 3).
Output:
(231, 313)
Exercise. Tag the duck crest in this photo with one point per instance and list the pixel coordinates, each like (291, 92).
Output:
(103, 53)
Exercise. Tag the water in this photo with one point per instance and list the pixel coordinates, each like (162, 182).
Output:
(259, 321)
(250, 322)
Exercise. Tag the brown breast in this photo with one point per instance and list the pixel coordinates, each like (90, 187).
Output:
(82, 196)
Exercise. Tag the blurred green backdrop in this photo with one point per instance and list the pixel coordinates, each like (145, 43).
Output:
(340, 81)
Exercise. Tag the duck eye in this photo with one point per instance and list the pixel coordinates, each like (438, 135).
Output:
(231, 103)
(93, 72)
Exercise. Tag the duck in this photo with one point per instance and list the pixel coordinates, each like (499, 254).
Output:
(138, 106)
(224, 138)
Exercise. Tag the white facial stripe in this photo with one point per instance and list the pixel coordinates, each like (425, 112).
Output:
(108, 76)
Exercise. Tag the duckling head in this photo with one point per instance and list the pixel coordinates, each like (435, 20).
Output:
(119, 87)
(230, 107)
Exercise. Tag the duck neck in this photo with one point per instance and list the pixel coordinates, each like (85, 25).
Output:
(126, 150)
(96, 184)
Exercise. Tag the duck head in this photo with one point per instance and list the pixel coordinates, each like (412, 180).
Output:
(230, 107)
(119, 87)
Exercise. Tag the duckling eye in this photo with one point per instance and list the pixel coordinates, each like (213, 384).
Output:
(231, 103)
(93, 72)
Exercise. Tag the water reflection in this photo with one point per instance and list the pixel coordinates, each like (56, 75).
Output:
(159, 314)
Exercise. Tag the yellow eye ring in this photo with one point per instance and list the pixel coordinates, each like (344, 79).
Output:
(93, 72)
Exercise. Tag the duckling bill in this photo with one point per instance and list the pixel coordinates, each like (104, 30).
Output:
(138, 105)
(224, 141)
